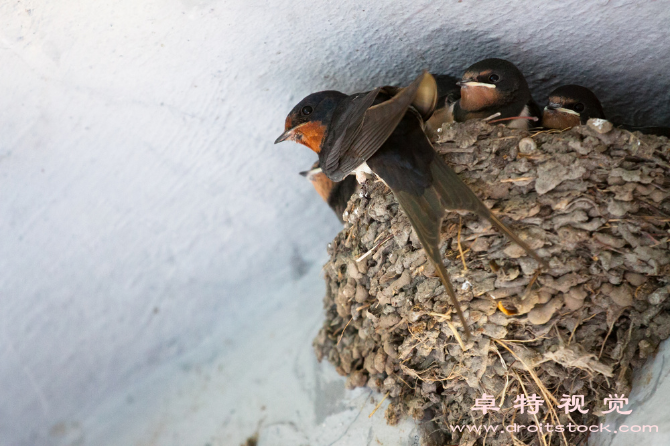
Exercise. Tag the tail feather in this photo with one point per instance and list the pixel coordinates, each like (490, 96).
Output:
(426, 188)
(515, 238)
(446, 281)
(425, 213)
(456, 195)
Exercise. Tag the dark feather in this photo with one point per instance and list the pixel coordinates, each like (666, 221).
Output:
(340, 195)
(426, 188)
(353, 138)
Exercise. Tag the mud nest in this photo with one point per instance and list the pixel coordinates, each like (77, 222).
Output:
(594, 201)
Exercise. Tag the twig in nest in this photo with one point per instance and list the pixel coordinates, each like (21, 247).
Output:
(495, 115)
(548, 397)
(579, 322)
(504, 137)
(343, 330)
(551, 131)
(464, 252)
(531, 283)
(451, 327)
(351, 233)
(413, 373)
(543, 389)
(504, 364)
(456, 335)
(537, 422)
(530, 118)
(392, 329)
(523, 341)
(389, 237)
(378, 405)
(530, 157)
(504, 392)
(400, 378)
(460, 225)
(444, 317)
(514, 180)
(660, 241)
(363, 307)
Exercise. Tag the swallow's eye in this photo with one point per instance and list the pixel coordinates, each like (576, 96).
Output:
(306, 110)
(579, 107)
(494, 78)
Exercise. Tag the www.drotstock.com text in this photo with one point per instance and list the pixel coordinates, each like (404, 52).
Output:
(493, 428)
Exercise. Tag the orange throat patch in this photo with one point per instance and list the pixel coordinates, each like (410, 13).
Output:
(311, 135)
(554, 119)
(476, 98)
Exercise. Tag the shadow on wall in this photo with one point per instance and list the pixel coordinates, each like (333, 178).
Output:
(630, 93)
(622, 89)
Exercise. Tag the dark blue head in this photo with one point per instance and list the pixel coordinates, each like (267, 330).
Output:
(308, 121)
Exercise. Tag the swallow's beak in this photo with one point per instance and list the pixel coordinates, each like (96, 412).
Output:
(289, 134)
(284, 136)
(310, 173)
(473, 83)
(557, 107)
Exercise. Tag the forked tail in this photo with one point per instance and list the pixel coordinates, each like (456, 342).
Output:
(446, 281)
(425, 213)
(508, 232)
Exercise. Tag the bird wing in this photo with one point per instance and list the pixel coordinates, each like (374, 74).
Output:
(355, 136)
(426, 188)
(426, 213)
(456, 195)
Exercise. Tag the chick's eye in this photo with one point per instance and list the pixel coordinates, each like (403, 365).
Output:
(306, 110)
(494, 78)
(579, 107)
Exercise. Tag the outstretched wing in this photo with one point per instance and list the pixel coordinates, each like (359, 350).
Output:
(358, 129)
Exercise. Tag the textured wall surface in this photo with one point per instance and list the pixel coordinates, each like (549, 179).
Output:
(144, 212)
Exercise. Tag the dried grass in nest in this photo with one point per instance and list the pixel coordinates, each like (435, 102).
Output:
(596, 205)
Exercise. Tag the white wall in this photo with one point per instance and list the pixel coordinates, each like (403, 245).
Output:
(145, 213)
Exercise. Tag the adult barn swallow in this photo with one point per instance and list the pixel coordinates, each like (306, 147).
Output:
(494, 86)
(382, 134)
(335, 194)
(571, 105)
